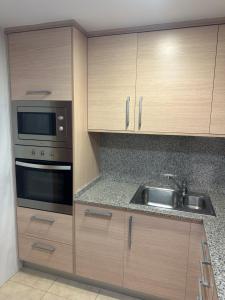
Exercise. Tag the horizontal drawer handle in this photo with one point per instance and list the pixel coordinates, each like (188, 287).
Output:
(41, 219)
(43, 247)
(95, 213)
(38, 93)
(206, 259)
(204, 281)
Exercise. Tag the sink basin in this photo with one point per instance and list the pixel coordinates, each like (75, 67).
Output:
(172, 199)
(195, 202)
(154, 196)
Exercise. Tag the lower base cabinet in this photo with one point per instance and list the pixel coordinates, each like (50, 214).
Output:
(99, 240)
(156, 257)
(46, 253)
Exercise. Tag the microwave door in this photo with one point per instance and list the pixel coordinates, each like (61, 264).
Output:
(44, 186)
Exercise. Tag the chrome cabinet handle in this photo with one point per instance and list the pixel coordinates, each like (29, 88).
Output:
(44, 220)
(127, 112)
(43, 247)
(206, 259)
(38, 92)
(44, 167)
(94, 213)
(200, 297)
(130, 223)
(204, 281)
(140, 113)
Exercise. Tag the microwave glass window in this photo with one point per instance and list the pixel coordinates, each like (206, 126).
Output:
(56, 186)
(36, 123)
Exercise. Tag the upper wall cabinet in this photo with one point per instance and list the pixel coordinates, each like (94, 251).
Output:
(111, 82)
(41, 64)
(218, 106)
(175, 70)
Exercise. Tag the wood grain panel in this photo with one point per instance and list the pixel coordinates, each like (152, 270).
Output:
(218, 106)
(156, 264)
(194, 257)
(60, 230)
(41, 60)
(85, 145)
(60, 259)
(111, 79)
(175, 71)
(99, 245)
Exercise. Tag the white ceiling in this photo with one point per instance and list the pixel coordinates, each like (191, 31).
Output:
(107, 14)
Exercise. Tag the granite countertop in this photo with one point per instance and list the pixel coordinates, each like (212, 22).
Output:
(108, 192)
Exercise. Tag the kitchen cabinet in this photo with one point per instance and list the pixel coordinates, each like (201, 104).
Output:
(111, 82)
(40, 64)
(99, 243)
(46, 253)
(47, 225)
(175, 71)
(156, 256)
(218, 105)
(215, 297)
(194, 258)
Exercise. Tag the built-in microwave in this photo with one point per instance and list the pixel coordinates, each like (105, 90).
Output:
(42, 123)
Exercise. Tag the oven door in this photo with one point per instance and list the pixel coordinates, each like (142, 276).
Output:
(44, 185)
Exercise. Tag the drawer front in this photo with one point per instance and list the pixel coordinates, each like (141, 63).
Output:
(99, 243)
(49, 254)
(46, 225)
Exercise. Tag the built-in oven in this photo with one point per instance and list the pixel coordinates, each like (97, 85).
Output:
(44, 185)
(42, 123)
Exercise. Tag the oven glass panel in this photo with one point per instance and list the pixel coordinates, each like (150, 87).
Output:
(36, 123)
(54, 186)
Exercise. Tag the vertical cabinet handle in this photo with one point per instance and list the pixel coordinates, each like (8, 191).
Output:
(204, 281)
(127, 112)
(130, 223)
(205, 258)
(200, 297)
(140, 113)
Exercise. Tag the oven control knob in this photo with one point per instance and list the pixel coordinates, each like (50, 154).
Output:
(60, 118)
(61, 128)
(42, 153)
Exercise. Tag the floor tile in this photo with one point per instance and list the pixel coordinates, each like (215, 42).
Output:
(73, 290)
(3, 297)
(34, 279)
(49, 296)
(109, 295)
(18, 291)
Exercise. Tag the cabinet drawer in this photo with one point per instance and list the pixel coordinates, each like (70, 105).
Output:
(46, 225)
(99, 243)
(49, 254)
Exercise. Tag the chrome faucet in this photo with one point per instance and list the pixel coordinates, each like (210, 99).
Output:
(182, 187)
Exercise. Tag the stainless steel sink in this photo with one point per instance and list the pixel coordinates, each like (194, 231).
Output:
(160, 197)
(172, 199)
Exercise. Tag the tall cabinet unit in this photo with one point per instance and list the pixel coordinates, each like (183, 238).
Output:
(111, 82)
(175, 70)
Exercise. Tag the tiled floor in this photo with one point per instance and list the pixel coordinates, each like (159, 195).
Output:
(29, 284)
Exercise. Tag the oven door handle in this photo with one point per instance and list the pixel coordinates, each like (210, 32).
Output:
(42, 167)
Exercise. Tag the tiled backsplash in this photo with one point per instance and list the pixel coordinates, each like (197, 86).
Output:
(141, 158)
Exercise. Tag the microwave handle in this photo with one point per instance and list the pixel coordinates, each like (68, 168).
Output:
(43, 167)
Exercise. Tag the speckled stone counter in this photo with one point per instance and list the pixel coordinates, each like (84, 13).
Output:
(109, 193)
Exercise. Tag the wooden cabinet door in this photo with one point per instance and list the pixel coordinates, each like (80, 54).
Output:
(99, 243)
(218, 105)
(175, 71)
(40, 64)
(156, 256)
(111, 82)
(194, 258)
